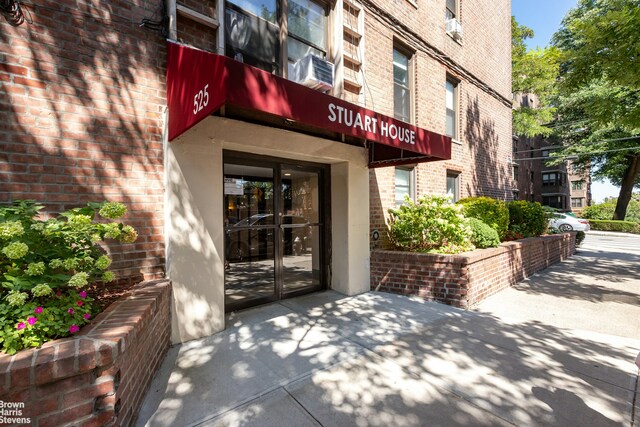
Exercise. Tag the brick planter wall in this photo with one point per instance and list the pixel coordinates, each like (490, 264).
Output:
(466, 279)
(99, 376)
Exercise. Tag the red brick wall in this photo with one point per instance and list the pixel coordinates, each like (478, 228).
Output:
(466, 279)
(482, 63)
(100, 376)
(82, 95)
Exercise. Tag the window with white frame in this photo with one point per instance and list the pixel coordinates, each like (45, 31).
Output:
(307, 26)
(253, 31)
(577, 202)
(452, 113)
(453, 185)
(451, 10)
(405, 184)
(401, 85)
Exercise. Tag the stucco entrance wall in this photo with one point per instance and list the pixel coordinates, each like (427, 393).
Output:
(195, 222)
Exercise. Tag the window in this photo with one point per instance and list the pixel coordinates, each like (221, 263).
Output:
(451, 101)
(550, 179)
(451, 9)
(577, 185)
(405, 184)
(253, 27)
(576, 202)
(516, 194)
(307, 23)
(251, 33)
(553, 201)
(515, 173)
(401, 86)
(545, 153)
(265, 9)
(453, 187)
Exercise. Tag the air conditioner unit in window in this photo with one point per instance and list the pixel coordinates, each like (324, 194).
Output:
(313, 72)
(454, 29)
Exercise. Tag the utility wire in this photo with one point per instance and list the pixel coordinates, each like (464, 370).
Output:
(560, 147)
(577, 154)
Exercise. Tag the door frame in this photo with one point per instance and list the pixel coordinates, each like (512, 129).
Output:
(324, 205)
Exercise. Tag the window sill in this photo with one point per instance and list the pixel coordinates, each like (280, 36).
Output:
(455, 39)
(456, 141)
(413, 3)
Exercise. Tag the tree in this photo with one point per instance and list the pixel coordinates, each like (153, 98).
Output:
(599, 90)
(533, 72)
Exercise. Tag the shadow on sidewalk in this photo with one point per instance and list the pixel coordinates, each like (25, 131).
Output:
(379, 358)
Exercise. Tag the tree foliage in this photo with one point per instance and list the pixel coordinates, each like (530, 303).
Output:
(598, 99)
(533, 72)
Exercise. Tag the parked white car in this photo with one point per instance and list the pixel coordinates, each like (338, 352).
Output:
(566, 222)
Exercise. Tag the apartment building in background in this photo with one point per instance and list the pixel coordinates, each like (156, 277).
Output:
(559, 185)
(257, 143)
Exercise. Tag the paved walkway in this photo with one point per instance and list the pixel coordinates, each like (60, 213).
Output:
(558, 349)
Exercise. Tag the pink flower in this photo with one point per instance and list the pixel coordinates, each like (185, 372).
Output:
(59, 294)
(70, 311)
(79, 303)
(87, 316)
(38, 310)
(74, 328)
(83, 294)
(32, 320)
(21, 325)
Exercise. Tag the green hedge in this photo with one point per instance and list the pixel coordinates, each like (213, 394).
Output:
(526, 219)
(483, 235)
(611, 225)
(492, 212)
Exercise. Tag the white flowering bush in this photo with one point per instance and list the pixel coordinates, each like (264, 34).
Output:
(45, 266)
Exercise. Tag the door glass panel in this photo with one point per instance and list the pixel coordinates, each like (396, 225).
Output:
(250, 233)
(301, 230)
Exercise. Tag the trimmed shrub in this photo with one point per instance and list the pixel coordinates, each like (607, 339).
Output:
(526, 219)
(483, 235)
(611, 225)
(580, 237)
(492, 212)
(432, 224)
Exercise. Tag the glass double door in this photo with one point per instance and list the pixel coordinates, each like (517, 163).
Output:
(274, 230)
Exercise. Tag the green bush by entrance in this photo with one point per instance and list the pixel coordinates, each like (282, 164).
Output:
(45, 265)
(483, 235)
(492, 212)
(526, 219)
(432, 224)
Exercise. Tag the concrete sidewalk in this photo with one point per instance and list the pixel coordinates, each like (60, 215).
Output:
(386, 360)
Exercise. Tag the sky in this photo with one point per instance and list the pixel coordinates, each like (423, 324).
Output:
(544, 18)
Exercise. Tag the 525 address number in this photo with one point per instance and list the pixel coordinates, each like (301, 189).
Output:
(201, 99)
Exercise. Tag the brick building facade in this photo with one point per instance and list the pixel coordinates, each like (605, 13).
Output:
(82, 94)
(83, 102)
(478, 65)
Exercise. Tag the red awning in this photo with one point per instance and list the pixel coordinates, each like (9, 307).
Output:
(200, 83)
